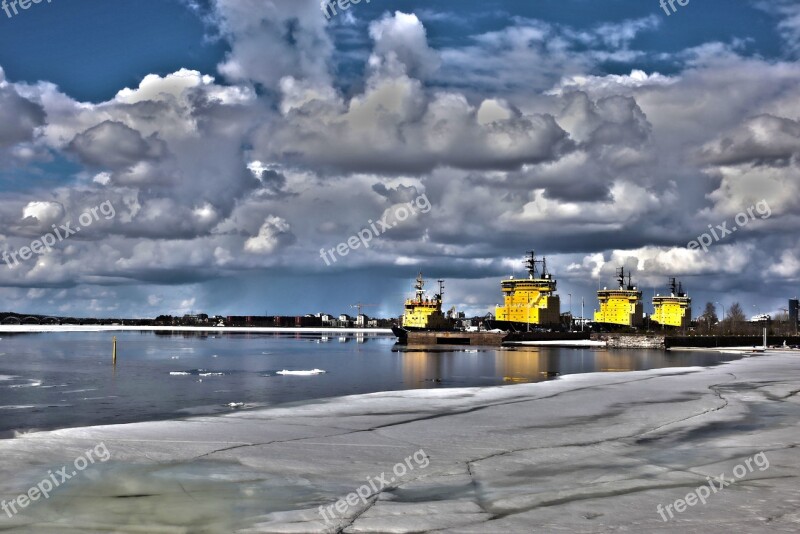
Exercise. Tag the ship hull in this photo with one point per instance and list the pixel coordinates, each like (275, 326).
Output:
(513, 326)
(402, 332)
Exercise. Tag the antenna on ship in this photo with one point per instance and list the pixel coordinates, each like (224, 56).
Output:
(441, 290)
(673, 287)
(530, 264)
(630, 285)
(621, 277)
(419, 285)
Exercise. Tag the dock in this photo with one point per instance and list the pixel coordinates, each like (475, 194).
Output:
(497, 339)
(489, 339)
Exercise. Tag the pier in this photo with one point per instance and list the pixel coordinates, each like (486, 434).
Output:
(493, 339)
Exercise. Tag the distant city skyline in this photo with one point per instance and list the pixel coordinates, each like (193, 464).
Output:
(237, 140)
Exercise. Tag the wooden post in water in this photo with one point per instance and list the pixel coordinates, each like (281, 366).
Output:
(114, 350)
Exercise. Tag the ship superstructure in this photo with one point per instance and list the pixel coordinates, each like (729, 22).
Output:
(621, 306)
(674, 309)
(529, 302)
(422, 312)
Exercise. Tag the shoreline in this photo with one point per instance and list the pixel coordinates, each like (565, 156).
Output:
(35, 328)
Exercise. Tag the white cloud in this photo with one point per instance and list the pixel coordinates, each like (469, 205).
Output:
(45, 212)
(274, 233)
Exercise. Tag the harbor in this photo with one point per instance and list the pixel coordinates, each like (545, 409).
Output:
(531, 316)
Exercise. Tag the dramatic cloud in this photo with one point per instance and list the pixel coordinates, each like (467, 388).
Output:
(114, 145)
(19, 117)
(519, 137)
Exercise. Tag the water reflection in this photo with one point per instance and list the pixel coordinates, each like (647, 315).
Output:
(436, 364)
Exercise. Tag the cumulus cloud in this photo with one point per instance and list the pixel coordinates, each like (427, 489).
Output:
(44, 212)
(113, 145)
(19, 117)
(273, 234)
(272, 39)
(764, 139)
(401, 46)
(396, 125)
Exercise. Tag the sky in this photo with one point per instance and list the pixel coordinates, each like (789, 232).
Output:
(209, 150)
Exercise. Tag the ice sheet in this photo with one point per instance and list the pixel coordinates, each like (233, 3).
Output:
(592, 453)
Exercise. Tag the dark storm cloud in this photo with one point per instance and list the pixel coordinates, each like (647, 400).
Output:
(113, 145)
(764, 139)
(19, 117)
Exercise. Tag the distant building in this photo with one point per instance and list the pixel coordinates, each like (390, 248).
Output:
(761, 317)
(198, 319)
(580, 321)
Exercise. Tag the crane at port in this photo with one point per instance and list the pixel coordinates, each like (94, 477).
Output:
(359, 305)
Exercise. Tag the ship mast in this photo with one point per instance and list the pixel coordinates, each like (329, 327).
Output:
(440, 296)
(532, 265)
(418, 286)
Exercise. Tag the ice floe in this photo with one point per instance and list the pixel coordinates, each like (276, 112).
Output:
(301, 373)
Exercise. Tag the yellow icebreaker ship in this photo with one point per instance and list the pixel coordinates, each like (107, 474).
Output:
(621, 307)
(674, 309)
(528, 302)
(424, 313)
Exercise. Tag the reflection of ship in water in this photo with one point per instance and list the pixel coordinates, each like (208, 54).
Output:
(524, 366)
(434, 367)
(422, 369)
(533, 364)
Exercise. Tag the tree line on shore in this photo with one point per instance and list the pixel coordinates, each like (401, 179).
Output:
(734, 322)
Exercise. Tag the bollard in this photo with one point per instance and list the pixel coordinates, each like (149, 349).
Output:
(114, 350)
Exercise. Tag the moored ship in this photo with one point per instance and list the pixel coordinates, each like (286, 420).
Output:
(620, 307)
(423, 313)
(528, 303)
(675, 309)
